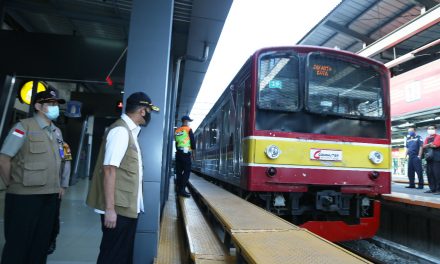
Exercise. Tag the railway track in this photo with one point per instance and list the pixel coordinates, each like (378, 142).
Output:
(378, 250)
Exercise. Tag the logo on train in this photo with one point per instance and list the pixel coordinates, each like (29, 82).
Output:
(325, 154)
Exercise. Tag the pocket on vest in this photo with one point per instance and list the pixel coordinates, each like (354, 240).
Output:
(37, 147)
(122, 198)
(34, 174)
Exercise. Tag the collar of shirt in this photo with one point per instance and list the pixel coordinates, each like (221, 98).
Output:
(43, 124)
(135, 129)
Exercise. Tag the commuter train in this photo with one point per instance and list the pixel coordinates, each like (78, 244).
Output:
(305, 133)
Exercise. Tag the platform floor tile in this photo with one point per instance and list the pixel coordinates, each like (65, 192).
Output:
(203, 243)
(293, 246)
(171, 246)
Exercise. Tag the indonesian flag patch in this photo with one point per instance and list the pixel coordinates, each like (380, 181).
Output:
(18, 133)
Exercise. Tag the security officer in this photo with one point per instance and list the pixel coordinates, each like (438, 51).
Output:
(116, 187)
(30, 164)
(414, 150)
(185, 144)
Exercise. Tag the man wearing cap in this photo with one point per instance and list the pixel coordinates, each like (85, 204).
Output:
(30, 166)
(116, 187)
(185, 144)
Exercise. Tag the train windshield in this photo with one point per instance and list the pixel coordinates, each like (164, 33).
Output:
(278, 82)
(337, 86)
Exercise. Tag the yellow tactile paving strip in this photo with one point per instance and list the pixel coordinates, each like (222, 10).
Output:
(236, 213)
(212, 261)
(203, 243)
(294, 246)
(265, 238)
(170, 249)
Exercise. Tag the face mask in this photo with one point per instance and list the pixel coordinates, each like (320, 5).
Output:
(147, 119)
(412, 133)
(431, 131)
(53, 112)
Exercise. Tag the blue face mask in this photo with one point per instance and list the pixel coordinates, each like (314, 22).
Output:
(53, 112)
(412, 133)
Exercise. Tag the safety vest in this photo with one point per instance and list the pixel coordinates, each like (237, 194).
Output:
(182, 137)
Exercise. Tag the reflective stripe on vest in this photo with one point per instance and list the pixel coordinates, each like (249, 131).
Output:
(182, 137)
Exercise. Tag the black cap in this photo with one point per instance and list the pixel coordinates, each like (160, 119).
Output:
(48, 96)
(186, 118)
(141, 98)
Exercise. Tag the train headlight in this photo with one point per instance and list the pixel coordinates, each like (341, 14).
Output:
(376, 157)
(272, 152)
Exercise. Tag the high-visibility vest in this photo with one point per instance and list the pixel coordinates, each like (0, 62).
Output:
(182, 137)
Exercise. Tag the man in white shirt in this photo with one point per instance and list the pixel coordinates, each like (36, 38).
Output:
(116, 187)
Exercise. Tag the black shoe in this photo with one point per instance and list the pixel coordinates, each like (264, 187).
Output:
(410, 187)
(429, 191)
(420, 187)
(52, 247)
(185, 194)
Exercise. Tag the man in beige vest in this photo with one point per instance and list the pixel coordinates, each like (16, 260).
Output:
(116, 187)
(30, 164)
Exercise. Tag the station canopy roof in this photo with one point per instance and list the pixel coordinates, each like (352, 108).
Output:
(195, 22)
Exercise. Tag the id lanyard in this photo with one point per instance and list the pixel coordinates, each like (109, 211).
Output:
(61, 148)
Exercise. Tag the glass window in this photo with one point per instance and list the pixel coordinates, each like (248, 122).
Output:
(213, 133)
(339, 86)
(278, 82)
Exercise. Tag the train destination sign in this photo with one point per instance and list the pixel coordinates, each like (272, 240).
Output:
(322, 70)
(325, 154)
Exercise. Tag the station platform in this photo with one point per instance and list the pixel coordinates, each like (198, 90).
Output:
(80, 234)
(248, 233)
(417, 197)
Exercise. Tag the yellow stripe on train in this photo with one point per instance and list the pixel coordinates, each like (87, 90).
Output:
(302, 152)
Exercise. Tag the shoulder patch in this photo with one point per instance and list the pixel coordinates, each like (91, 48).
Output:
(18, 133)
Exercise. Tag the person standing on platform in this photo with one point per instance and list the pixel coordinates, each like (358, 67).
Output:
(431, 148)
(185, 145)
(116, 188)
(30, 165)
(414, 150)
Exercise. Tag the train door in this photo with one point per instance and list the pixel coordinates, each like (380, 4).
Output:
(238, 157)
(205, 147)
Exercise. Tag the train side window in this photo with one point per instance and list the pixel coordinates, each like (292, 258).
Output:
(213, 133)
(278, 82)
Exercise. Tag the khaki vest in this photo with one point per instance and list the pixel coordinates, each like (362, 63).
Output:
(127, 179)
(35, 169)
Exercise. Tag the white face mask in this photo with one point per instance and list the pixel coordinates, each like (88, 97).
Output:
(431, 131)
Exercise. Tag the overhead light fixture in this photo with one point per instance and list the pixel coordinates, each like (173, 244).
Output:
(407, 124)
(26, 91)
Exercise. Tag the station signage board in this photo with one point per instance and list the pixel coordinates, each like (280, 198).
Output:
(416, 90)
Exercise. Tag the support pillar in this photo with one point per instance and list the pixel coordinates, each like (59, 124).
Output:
(8, 91)
(147, 69)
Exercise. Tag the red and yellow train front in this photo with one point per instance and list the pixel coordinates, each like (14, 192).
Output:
(318, 144)
(332, 180)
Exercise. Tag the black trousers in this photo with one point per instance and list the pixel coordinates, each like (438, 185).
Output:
(433, 172)
(117, 243)
(415, 166)
(56, 224)
(431, 176)
(183, 170)
(28, 226)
